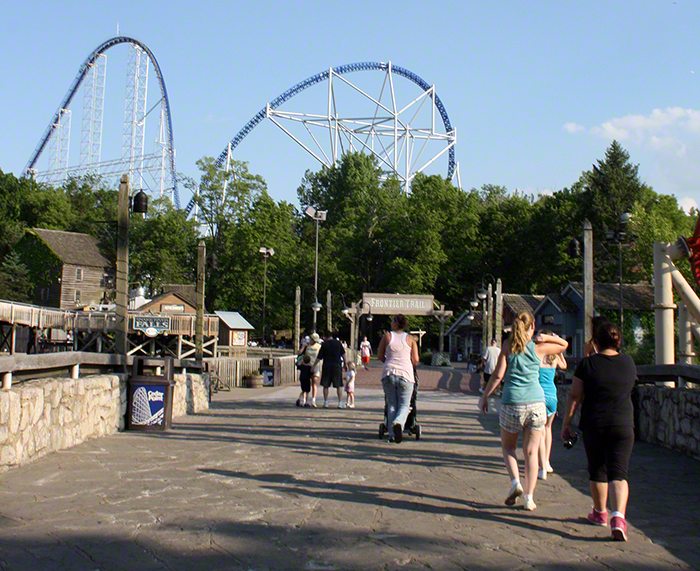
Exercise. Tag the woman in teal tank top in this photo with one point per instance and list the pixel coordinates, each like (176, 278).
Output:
(522, 404)
(548, 370)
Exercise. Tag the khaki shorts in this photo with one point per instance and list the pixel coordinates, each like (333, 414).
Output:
(514, 417)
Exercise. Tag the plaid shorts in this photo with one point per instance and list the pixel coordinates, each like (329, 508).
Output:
(514, 417)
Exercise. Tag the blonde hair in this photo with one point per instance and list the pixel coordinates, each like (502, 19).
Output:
(351, 366)
(519, 336)
(549, 359)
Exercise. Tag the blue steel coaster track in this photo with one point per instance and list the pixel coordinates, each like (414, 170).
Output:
(82, 72)
(323, 76)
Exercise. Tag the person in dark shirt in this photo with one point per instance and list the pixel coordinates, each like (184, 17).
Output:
(604, 382)
(332, 354)
(305, 381)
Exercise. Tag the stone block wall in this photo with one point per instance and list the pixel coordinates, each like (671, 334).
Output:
(190, 395)
(39, 417)
(42, 416)
(670, 417)
(666, 416)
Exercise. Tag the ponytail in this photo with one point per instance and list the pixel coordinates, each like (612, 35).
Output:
(519, 337)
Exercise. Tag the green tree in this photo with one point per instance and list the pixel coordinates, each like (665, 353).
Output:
(15, 284)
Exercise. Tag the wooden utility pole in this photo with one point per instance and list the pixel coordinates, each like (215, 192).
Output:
(199, 319)
(122, 278)
(297, 319)
(499, 311)
(587, 281)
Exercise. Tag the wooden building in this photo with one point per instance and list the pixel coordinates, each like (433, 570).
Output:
(167, 303)
(68, 268)
(233, 333)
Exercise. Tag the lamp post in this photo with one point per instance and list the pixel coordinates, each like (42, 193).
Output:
(360, 311)
(617, 237)
(124, 205)
(486, 296)
(317, 215)
(266, 253)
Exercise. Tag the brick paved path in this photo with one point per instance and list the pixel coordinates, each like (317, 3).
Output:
(258, 483)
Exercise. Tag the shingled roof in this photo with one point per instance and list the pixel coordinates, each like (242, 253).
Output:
(607, 296)
(522, 302)
(73, 247)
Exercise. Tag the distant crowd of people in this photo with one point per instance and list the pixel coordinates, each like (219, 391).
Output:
(524, 367)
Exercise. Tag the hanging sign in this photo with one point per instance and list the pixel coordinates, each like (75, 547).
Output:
(151, 325)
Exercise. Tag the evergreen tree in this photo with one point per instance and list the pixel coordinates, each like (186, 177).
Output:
(15, 284)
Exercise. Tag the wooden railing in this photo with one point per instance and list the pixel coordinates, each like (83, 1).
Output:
(34, 316)
(47, 318)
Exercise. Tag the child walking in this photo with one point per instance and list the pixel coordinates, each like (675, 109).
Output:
(350, 384)
(305, 381)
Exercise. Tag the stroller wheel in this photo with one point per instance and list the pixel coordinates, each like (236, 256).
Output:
(382, 430)
(416, 429)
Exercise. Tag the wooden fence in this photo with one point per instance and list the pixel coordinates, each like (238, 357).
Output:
(231, 370)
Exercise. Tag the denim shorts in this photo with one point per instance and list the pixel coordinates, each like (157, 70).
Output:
(514, 417)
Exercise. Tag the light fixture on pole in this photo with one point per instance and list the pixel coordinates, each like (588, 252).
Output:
(617, 237)
(486, 296)
(266, 253)
(318, 216)
(359, 307)
(125, 205)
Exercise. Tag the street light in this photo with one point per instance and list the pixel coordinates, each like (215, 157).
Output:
(266, 253)
(486, 296)
(617, 237)
(317, 215)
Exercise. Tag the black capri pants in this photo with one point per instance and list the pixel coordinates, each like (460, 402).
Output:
(608, 450)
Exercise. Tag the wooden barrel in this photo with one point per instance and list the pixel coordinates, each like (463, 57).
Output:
(254, 381)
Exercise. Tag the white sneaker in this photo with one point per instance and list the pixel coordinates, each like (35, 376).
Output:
(351, 405)
(516, 490)
(341, 405)
(542, 475)
(549, 468)
(325, 404)
(529, 504)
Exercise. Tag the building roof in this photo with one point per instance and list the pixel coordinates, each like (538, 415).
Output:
(461, 321)
(187, 291)
(561, 302)
(156, 301)
(638, 296)
(73, 248)
(522, 302)
(234, 320)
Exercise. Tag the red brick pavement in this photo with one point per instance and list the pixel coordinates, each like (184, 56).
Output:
(456, 380)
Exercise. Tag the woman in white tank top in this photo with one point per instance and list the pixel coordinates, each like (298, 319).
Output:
(398, 351)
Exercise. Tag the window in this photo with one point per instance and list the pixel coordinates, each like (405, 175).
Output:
(44, 294)
(76, 296)
(78, 274)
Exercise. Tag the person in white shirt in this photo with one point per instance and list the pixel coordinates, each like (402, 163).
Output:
(489, 360)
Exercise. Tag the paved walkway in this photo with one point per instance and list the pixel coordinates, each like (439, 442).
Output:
(258, 483)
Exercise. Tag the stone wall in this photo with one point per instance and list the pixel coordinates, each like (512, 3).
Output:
(666, 416)
(190, 394)
(38, 417)
(670, 417)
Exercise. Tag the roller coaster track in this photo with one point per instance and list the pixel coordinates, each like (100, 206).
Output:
(82, 72)
(324, 76)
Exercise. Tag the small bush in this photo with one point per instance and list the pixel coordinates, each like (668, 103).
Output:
(426, 357)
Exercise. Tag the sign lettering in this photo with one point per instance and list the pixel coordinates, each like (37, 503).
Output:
(388, 304)
(151, 323)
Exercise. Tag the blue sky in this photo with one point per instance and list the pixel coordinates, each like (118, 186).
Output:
(536, 90)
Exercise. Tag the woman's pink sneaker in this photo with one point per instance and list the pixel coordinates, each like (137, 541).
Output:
(618, 525)
(598, 518)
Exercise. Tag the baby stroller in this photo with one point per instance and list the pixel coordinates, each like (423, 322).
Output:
(411, 426)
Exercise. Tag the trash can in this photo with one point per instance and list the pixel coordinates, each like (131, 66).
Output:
(150, 395)
(267, 370)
